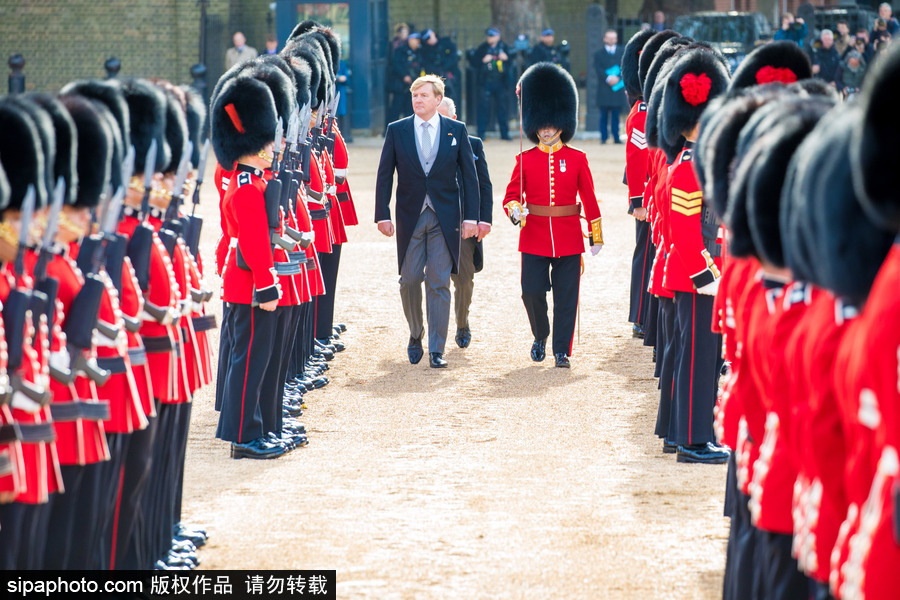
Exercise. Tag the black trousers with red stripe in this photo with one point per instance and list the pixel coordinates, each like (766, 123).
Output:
(666, 359)
(329, 263)
(562, 275)
(641, 262)
(697, 367)
(252, 331)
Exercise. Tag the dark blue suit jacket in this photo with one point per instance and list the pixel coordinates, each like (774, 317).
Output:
(485, 195)
(451, 204)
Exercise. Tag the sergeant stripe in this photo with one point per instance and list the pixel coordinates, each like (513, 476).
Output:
(688, 212)
(686, 195)
(687, 205)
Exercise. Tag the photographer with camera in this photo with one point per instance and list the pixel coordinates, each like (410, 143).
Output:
(793, 29)
(850, 74)
(545, 51)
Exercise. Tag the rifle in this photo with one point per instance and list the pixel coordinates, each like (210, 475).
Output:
(195, 223)
(305, 149)
(49, 286)
(141, 242)
(331, 117)
(286, 176)
(79, 331)
(15, 311)
(172, 227)
(273, 195)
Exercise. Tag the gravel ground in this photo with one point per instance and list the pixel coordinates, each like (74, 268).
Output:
(495, 478)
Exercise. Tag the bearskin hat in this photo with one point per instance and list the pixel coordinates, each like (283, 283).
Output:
(21, 154)
(697, 77)
(768, 159)
(176, 123)
(311, 53)
(654, 84)
(850, 247)
(549, 98)
(782, 61)
(243, 118)
(815, 87)
(874, 152)
(96, 147)
(630, 58)
(303, 28)
(281, 85)
(648, 54)
(64, 164)
(196, 117)
(4, 189)
(147, 112)
(302, 74)
(109, 92)
(47, 136)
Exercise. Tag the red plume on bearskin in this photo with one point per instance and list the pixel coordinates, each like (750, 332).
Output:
(697, 77)
(695, 88)
(770, 74)
(772, 62)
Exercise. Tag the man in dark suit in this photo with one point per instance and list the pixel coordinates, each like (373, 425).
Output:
(471, 251)
(611, 94)
(427, 150)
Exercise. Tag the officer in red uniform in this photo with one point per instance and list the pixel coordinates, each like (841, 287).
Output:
(243, 120)
(542, 197)
(637, 158)
(693, 267)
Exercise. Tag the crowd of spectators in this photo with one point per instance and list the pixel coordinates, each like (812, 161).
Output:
(839, 56)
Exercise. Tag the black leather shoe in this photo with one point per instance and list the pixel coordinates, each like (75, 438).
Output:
(414, 350)
(463, 337)
(538, 350)
(162, 566)
(708, 454)
(669, 447)
(295, 410)
(342, 327)
(637, 331)
(337, 345)
(436, 360)
(562, 360)
(258, 448)
(195, 535)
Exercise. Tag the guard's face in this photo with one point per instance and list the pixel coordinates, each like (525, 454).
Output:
(425, 102)
(548, 134)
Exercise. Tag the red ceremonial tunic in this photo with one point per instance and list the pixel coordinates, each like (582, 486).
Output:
(637, 155)
(341, 164)
(554, 176)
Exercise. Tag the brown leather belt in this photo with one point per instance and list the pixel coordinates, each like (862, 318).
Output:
(565, 210)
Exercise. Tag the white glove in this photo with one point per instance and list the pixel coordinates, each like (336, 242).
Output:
(595, 249)
(710, 289)
(60, 359)
(516, 213)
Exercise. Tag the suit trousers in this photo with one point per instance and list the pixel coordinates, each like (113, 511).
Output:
(428, 260)
(562, 276)
(609, 124)
(464, 282)
(242, 405)
(697, 368)
(641, 262)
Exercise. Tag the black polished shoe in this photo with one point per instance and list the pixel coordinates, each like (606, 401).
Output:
(436, 360)
(707, 454)
(259, 448)
(637, 331)
(342, 327)
(414, 350)
(669, 447)
(162, 566)
(294, 410)
(562, 360)
(538, 350)
(337, 345)
(194, 535)
(463, 337)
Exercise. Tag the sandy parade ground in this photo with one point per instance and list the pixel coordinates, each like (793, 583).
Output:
(495, 478)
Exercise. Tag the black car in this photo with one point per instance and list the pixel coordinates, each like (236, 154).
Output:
(734, 34)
